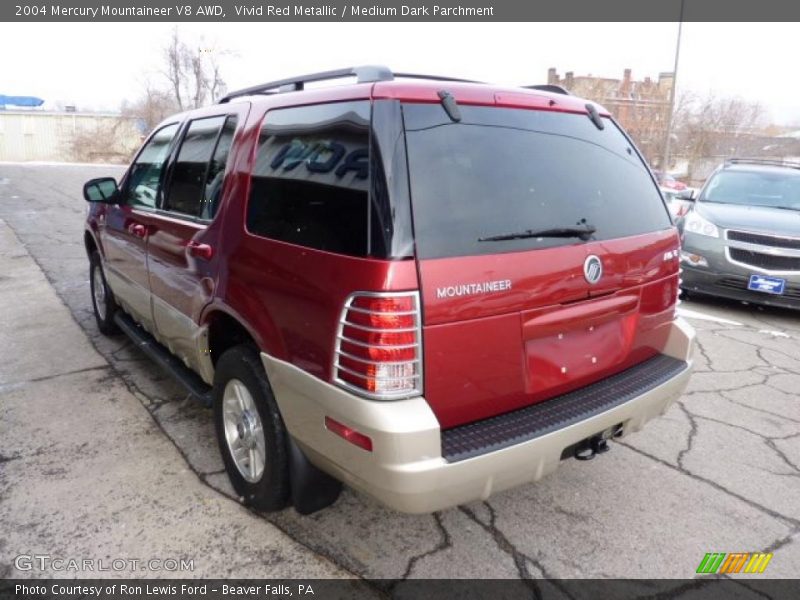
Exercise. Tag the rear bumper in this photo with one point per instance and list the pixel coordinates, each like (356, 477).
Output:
(406, 469)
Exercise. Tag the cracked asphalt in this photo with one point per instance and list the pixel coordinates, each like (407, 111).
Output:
(720, 472)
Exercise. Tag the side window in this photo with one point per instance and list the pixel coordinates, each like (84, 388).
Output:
(187, 180)
(310, 183)
(212, 191)
(144, 178)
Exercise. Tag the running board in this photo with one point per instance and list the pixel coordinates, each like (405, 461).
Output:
(166, 360)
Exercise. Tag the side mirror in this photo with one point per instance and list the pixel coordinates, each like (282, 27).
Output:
(102, 189)
(687, 195)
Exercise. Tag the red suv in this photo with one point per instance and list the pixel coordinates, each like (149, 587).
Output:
(429, 289)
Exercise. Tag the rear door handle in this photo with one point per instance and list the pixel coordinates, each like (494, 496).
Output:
(200, 250)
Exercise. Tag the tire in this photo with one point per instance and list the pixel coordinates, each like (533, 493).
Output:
(258, 466)
(103, 301)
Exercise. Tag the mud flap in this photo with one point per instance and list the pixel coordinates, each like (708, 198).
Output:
(312, 489)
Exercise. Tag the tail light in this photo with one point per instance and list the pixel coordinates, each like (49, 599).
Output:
(379, 345)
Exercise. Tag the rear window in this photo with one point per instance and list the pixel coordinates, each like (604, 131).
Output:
(502, 171)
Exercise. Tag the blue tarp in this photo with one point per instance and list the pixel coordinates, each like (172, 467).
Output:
(20, 101)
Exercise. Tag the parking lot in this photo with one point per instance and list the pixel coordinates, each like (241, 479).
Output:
(720, 472)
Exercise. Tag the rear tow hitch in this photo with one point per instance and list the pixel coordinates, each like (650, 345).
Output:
(583, 451)
(597, 444)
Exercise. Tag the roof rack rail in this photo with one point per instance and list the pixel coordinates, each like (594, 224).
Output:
(777, 162)
(365, 74)
(435, 78)
(549, 87)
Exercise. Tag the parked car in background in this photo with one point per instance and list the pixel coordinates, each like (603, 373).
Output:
(678, 202)
(429, 289)
(741, 238)
(665, 180)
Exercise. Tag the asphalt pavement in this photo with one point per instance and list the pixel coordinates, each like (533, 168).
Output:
(96, 442)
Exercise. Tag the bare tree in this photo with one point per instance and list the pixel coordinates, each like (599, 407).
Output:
(175, 55)
(712, 126)
(152, 107)
(193, 73)
(106, 140)
(191, 77)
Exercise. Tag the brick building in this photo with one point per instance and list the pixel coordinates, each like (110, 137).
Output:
(641, 107)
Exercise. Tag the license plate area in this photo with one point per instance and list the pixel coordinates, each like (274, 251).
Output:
(558, 359)
(766, 284)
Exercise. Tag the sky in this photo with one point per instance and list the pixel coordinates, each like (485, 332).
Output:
(98, 65)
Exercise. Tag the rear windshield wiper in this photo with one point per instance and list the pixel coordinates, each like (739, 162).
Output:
(584, 233)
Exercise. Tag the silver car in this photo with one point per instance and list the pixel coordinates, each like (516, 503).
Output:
(741, 238)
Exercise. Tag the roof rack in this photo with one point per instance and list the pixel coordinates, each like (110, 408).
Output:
(549, 87)
(435, 78)
(364, 74)
(776, 162)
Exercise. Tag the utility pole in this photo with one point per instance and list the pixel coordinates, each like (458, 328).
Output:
(667, 142)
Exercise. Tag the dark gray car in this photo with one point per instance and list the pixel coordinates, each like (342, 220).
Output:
(741, 239)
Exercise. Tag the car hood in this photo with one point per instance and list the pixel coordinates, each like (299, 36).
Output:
(751, 218)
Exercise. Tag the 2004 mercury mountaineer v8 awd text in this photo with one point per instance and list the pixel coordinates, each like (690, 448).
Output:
(428, 289)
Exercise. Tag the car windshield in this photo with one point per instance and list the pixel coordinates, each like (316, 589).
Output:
(775, 189)
(504, 174)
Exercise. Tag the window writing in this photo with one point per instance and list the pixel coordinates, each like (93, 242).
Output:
(310, 183)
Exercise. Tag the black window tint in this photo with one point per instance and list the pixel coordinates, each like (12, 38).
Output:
(216, 170)
(502, 171)
(310, 183)
(391, 234)
(187, 180)
(144, 178)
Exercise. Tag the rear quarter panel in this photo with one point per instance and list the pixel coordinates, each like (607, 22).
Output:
(290, 297)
